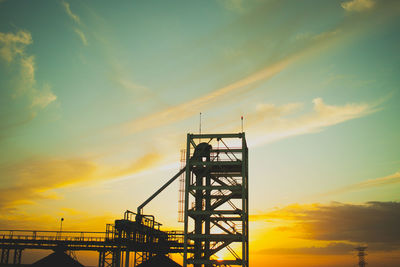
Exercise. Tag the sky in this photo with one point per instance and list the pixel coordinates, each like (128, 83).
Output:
(97, 97)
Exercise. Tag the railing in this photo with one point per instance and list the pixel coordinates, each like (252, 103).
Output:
(52, 235)
(175, 236)
(29, 235)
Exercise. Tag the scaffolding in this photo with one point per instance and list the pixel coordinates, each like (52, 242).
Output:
(216, 200)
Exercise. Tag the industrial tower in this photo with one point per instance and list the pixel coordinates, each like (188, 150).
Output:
(361, 256)
(216, 200)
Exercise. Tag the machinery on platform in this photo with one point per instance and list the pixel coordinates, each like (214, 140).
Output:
(214, 188)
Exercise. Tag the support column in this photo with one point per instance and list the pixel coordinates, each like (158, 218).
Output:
(5, 253)
(101, 259)
(17, 257)
(116, 258)
(127, 258)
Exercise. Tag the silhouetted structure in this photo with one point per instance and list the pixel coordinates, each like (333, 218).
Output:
(361, 256)
(215, 202)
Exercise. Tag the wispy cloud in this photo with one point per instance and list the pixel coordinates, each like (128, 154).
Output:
(234, 5)
(309, 47)
(190, 108)
(358, 5)
(271, 123)
(371, 183)
(82, 36)
(73, 16)
(44, 97)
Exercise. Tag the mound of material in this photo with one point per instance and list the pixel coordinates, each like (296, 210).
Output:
(59, 259)
(159, 261)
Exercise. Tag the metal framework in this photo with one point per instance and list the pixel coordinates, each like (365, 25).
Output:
(216, 200)
(114, 246)
(216, 229)
(361, 256)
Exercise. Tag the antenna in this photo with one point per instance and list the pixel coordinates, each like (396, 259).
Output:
(241, 118)
(200, 124)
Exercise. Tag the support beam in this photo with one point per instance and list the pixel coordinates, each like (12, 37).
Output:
(139, 209)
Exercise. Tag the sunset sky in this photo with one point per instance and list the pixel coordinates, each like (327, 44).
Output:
(96, 99)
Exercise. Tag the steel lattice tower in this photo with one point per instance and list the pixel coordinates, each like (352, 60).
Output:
(361, 256)
(216, 200)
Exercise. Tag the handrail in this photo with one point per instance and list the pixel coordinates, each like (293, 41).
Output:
(52, 231)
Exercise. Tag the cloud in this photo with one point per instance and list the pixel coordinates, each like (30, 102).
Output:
(234, 5)
(358, 5)
(12, 44)
(271, 123)
(371, 183)
(334, 248)
(82, 36)
(373, 223)
(73, 16)
(190, 108)
(44, 97)
(27, 76)
(145, 162)
(13, 51)
(308, 47)
(29, 180)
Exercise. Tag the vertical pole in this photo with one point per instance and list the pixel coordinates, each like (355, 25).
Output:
(246, 200)
(243, 202)
(5, 253)
(200, 124)
(127, 258)
(207, 226)
(116, 257)
(101, 258)
(17, 256)
(61, 222)
(198, 224)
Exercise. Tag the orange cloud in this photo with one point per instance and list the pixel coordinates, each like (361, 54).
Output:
(372, 223)
(34, 179)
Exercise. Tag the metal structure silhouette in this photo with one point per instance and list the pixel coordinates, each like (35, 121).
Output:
(361, 256)
(216, 200)
(215, 179)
